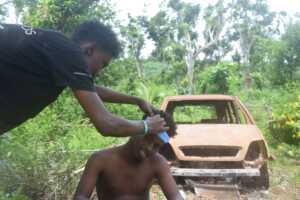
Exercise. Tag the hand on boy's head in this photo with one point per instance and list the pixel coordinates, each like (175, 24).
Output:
(156, 124)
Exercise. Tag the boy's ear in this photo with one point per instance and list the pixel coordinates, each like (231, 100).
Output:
(90, 49)
(88, 52)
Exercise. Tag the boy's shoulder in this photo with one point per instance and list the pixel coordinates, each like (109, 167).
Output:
(158, 160)
(158, 165)
(103, 154)
(157, 157)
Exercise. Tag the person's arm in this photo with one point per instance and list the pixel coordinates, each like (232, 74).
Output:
(108, 95)
(166, 180)
(110, 125)
(88, 180)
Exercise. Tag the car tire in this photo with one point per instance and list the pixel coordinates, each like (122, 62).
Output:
(260, 182)
(263, 180)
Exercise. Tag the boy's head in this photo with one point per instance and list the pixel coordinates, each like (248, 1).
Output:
(98, 42)
(149, 144)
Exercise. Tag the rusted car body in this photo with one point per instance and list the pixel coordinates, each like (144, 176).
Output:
(218, 135)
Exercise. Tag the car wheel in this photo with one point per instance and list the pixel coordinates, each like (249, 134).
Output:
(260, 182)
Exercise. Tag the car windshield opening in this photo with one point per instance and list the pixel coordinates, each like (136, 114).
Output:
(207, 112)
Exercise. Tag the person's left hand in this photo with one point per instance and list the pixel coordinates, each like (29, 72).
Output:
(146, 107)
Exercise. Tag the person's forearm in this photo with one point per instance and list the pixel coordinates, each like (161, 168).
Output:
(81, 198)
(119, 127)
(108, 95)
(109, 125)
(175, 197)
(105, 122)
(178, 197)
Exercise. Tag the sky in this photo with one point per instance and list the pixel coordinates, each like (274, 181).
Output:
(150, 7)
(136, 8)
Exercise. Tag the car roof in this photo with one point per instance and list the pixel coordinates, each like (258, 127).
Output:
(200, 97)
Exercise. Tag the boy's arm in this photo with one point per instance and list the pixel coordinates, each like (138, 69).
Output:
(88, 180)
(166, 180)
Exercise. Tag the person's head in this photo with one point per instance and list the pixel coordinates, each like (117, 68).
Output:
(149, 144)
(98, 42)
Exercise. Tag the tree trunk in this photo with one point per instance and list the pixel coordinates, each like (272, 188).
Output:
(246, 43)
(190, 62)
(139, 68)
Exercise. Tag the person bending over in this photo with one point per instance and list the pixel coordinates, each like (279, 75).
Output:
(36, 65)
(127, 172)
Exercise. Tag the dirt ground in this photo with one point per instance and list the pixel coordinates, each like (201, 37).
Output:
(284, 179)
(275, 193)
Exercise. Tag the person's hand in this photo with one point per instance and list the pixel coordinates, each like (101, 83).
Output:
(156, 124)
(146, 107)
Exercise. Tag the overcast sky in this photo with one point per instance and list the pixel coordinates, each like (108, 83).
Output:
(150, 7)
(136, 7)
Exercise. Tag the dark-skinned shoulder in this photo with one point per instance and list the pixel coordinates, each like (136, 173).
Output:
(102, 156)
(158, 162)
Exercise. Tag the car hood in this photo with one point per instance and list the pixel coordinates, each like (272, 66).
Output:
(216, 134)
(216, 138)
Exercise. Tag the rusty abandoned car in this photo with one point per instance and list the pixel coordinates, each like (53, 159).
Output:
(217, 140)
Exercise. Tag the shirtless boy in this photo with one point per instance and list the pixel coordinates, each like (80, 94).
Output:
(127, 172)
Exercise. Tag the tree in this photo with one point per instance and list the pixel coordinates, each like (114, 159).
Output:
(279, 59)
(186, 20)
(3, 9)
(21, 5)
(175, 31)
(134, 35)
(18, 5)
(64, 15)
(287, 62)
(215, 21)
(250, 20)
(161, 32)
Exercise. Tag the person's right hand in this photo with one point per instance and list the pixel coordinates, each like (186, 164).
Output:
(156, 124)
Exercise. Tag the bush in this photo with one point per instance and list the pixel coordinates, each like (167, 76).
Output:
(13, 196)
(39, 158)
(286, 126)
(218, 79)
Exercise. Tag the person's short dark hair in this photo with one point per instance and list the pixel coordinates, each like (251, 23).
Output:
(95, 31)
(169, 121)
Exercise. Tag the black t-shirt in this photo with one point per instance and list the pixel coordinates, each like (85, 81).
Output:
(35, 66)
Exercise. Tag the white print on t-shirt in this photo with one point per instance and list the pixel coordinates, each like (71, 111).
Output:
(82, 74)
(28, 30)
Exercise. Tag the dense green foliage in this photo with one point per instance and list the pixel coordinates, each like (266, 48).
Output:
(40, 159)
(286, 127)
(42, 155)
